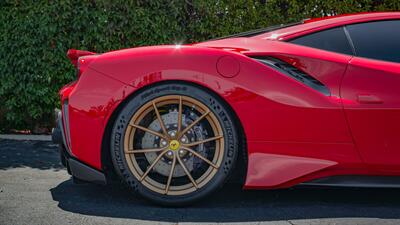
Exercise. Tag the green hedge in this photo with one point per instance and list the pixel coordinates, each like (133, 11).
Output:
(35, 35)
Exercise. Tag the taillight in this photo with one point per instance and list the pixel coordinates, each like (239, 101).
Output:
(83, 63)
(80, 59)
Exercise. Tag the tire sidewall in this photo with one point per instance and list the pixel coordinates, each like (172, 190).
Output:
(215, 105)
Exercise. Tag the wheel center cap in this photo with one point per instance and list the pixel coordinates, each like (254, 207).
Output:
(174, 145)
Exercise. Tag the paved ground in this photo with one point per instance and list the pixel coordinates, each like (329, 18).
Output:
(35, 189)
(31, 137)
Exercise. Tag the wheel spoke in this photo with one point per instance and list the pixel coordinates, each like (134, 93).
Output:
(158, 173)
(194, 123)
(201, 157)
(202, 141)
(148, 130)
(153, 164)
(180, 115)
(187, 172)
(171, 173)
(162, 125)
(146, 150)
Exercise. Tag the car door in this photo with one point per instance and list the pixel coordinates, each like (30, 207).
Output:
(371, 92)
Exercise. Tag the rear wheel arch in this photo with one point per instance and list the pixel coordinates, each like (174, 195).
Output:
(239, 172)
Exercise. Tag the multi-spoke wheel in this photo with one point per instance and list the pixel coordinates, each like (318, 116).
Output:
(171, 146)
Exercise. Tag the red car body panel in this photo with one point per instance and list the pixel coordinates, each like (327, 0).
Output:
(294, 133)
(372, 87)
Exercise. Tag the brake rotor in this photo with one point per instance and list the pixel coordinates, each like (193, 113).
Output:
(163, 166)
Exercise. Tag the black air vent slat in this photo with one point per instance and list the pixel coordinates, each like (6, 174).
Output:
(294, 72)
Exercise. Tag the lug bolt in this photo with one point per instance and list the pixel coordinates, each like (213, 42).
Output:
(169, 153)
(163, 143)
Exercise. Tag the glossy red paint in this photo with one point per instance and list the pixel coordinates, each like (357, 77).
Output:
(294, 133)
(228, 66)
(374, 115)
(326, 23)
(74, 55)
(289, 168)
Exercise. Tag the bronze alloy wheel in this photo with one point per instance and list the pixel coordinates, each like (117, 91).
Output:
(174, 145)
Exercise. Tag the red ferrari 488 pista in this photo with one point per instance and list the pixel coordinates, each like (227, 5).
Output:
(311, 103)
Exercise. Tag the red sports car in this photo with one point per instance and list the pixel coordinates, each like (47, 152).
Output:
(310, 103)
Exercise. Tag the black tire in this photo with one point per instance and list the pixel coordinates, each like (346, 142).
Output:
(61, 150)
(214, 104)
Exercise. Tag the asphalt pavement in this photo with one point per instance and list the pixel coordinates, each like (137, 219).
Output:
(36, 189)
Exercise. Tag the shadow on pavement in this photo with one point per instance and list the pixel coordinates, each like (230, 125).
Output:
(231, 204)
(34, 154)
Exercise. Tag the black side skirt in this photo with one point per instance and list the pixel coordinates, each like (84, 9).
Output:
(357, 181)
(86, 173)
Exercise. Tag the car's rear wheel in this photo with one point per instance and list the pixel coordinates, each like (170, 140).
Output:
(174, 143)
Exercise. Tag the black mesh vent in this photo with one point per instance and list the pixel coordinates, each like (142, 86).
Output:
(295, 73)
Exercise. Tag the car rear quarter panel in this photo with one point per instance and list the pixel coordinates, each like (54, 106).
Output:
(280, 116)
(90, 103)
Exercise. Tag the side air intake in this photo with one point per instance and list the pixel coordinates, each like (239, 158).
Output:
(293, 72)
